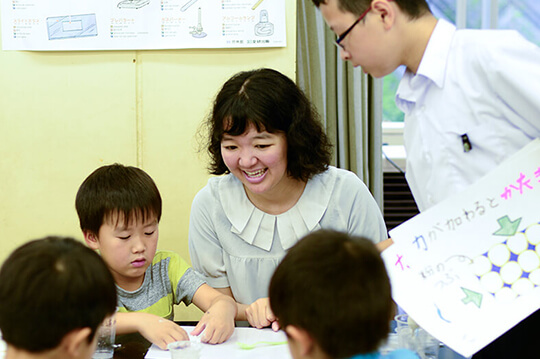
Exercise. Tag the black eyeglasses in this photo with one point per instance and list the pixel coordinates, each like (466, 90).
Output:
(342, 36)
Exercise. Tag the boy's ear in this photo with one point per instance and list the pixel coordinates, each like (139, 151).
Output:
(75, 343)
(91, 239)
(304, 344)
(385, 12)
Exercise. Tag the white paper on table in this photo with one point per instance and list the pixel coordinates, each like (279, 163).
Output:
(230, 348)
(468, 269)
(3, 347)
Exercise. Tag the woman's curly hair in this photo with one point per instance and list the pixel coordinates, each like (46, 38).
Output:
(271, 102)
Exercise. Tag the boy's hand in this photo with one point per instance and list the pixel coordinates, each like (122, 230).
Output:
(218, 319)
(259, 314)
(154, 328)
(162, 331)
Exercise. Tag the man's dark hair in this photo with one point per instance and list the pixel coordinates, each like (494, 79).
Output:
(413, 8)
(49, 287)
(117, 191)
(271, 102)
(336, 288)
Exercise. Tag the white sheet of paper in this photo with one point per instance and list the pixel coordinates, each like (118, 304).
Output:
(3, 348)
(230, 348)
(468, 269)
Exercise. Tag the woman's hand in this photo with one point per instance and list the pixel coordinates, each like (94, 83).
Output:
(381, 246)
(259, 314)
(218, 319)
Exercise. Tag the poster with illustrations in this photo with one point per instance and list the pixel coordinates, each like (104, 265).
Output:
(141, 24)
(468, 269)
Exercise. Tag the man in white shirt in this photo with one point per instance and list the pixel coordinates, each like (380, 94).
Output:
(471, 104)
(470, 97)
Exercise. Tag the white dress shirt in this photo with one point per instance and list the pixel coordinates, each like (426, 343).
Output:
(234, 244)
(484, 84)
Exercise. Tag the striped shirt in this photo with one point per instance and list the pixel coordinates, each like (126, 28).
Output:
(168, 281)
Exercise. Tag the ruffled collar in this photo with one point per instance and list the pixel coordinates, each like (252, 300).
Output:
(257, 227)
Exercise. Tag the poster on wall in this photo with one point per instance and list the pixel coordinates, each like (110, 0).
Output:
(468, 269)
(64, 25)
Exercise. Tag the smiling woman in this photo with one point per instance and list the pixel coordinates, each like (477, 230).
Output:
(265, 138)
(259, 161)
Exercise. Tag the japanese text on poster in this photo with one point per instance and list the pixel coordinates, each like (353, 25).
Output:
(468, 269)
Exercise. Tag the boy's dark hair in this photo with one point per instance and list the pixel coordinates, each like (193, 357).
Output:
(336, 288)
(413, 8)
(271, 102)
(49, 287)
(125, 191)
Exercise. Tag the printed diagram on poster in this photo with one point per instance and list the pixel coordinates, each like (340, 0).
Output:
(264, 27)
(62, 27)
(197, 31)
(132, 4)
(468, 269)
(65, 25)
(188, 4)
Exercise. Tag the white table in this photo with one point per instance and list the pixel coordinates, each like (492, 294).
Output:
(230, 348)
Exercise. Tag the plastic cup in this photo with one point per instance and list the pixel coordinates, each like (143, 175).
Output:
(185, 350)
(390, 344)
(427, 345)
(406, 339)
(105, 339)
(415, 338)
(402, 321)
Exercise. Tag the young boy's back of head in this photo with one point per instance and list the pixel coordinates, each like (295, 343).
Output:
(117, 192)
(335, 288)
(50, 287)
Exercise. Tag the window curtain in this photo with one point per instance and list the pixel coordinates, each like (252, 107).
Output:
(349, 102)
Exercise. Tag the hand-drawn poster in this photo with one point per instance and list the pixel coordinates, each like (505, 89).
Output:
(141, 24)
(468, 269)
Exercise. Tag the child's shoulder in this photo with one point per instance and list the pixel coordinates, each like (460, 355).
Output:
(396, 354)
(164, 254)
(170, 257)
(401, 354)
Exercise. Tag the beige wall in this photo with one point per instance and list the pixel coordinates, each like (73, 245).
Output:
(63, 114)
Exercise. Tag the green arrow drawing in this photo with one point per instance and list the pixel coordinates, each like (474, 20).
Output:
(472, 296)
(508, 227)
